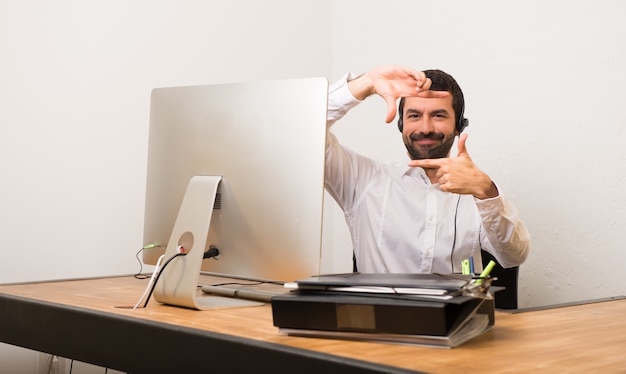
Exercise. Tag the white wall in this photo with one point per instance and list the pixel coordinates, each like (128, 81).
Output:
(75, 81)
(545, 88)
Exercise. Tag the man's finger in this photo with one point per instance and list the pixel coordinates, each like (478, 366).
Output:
(432, 94)
(391, 109)
(425, 84)
(461, 145)
(427, 163)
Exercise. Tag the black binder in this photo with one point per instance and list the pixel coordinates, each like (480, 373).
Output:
(315, 309)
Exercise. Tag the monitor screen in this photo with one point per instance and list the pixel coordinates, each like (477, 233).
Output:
(265, 141)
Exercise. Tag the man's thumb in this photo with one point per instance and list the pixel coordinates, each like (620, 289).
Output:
(391, 109)
(461, 145)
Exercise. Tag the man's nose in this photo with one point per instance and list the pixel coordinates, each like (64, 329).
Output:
(425, 125)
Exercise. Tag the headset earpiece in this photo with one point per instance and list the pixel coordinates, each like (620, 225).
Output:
(462, 124)
(461, 121)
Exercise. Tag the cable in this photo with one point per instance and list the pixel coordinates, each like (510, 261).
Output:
(159, 275)
(51, 362)
(152, 279)
(456, 212)
(139, 275)
(158, 270)
(212, 252)
(240, 284)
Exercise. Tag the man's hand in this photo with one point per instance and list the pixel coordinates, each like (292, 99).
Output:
(459, 174)
(391, 83)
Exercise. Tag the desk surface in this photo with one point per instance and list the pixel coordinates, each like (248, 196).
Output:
(588, 337)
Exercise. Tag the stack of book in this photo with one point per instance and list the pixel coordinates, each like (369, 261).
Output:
(424, 309)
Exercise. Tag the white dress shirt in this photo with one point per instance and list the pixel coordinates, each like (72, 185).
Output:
(402, 223)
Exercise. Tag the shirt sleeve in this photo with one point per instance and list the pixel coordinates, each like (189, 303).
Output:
(507, 239)
(340, 100)
(345, 170)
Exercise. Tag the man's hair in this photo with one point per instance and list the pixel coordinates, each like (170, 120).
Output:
(442, 81)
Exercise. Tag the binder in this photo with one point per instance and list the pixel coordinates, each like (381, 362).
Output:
(315, 308)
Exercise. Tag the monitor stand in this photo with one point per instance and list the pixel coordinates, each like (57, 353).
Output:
(178, 284)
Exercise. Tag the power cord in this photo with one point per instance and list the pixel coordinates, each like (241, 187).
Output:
(152, 280)
(158, 270)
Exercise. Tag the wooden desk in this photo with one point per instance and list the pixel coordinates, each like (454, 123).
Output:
(79, 319)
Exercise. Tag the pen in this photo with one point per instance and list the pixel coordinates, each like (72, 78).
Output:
(239, 293)
(471, 265)
(486, 271)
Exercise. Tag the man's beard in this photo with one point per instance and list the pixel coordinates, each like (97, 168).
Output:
(420, 153)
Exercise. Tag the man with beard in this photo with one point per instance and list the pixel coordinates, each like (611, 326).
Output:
(431, 211)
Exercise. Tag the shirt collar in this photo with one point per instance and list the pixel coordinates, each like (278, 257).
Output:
(413, 172)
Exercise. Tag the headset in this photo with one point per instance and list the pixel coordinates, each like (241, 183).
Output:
(460, 122)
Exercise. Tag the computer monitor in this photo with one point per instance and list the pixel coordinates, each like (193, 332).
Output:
(239, 167)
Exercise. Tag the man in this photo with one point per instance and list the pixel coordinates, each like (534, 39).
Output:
(431, 211)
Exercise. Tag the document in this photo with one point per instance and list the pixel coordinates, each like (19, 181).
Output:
(377, 283)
